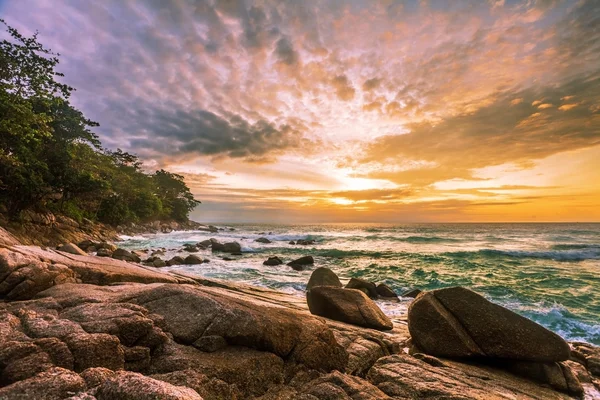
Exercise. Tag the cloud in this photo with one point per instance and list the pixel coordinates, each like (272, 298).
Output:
(343, 87)
(371, 84)
(499, 133)
(285, 51)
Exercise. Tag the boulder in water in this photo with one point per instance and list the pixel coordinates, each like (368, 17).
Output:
(159, 263)
(125, 255)
(385, 291)
(347, 305)
(411, 293)
(230, 247)
(299, 264)
(263, 240)
(457, 322)
(193, 259)
(368, 287)
(273, 261)
(177, 260)
(323, 277)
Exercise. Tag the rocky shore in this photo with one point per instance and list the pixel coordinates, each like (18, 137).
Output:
(78, 326)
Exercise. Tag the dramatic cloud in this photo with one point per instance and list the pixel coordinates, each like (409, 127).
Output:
(352, 108)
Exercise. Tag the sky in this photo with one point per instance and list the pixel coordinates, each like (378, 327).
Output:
(344, 110)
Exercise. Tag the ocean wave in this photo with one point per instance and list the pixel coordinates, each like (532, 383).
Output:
(567, 255)
(566, 246)
(136, 237)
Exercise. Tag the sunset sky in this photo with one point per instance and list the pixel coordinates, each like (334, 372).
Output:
(344, 110)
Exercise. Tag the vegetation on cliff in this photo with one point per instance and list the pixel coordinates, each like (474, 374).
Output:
(51, 160)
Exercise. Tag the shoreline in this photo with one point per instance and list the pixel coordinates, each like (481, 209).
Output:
(114, 320)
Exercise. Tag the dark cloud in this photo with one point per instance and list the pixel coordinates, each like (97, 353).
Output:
(204, 133)
(343, 87)
(284, 50)
(371, 84)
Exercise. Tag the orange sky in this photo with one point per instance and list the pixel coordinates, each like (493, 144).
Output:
(345, 110)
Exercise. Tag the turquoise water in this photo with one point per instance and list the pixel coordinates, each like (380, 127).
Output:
(547, 272)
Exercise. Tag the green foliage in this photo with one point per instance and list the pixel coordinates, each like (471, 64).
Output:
(51, 159)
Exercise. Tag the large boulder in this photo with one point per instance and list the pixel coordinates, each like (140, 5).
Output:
(193, 259)
(367, 287)
(385, 291)
(230, 247)
(263, 240)
(177, 260)
(347, 305)
(457, 322)
(323, 277)
(301, 263)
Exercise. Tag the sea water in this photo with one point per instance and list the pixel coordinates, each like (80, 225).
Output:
(549, 273)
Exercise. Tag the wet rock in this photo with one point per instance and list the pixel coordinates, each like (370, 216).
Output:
(384, 290)
(133, 386)
(323, 277)
(371, 289)
(159, 263)
(263, 240)
(305, 242)
(291, 242)
(125, 255)
(177, 260)
(193, 259)
(53, 384)
(347, 305)
(210, 344)
(301, 263)
(411, 293)
(457, 322)
(227, 259)
(230, 247)
(190, 248)
(273, 261)
(204, 244)
(104, 253)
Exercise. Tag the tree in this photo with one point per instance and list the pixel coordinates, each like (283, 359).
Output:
(51, 159)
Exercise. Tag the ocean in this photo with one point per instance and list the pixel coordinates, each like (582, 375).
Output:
(549, 273)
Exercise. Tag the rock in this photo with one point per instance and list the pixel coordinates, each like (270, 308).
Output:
(53, 384)
(337, 385)
(210, 344)
(94, 377)
(177, 260)
(192, 259)
(190, 248)
(213, 229)
(273, 261)
(231, 247)
(95, 350)
(300, 263)
(125, 255)
(134, 386)
(457, 322)
(291, 242)
(72, 249)
(347, 305)
(189, 313)
(371, 289)
(84, 245)
(204, 244)
(556, 375)
(208, 388)
(7, 239)
(105, 245)
(104, 253)
(305, 242)
(227, 259)
(411, 293)
(159, 263)
(263, 240)
(384, 290)
(593, 365)
(323, 277)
